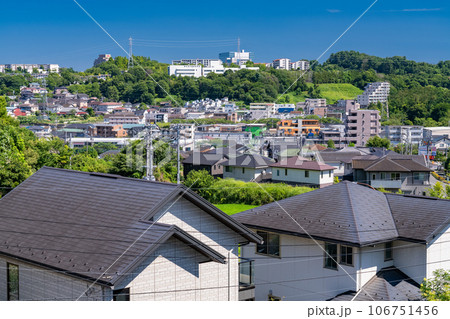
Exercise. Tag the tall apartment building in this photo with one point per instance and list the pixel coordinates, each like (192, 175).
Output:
(374, 93)
(407, 134)
(300, 65)
(102, 58)
(238, 58)
(362, 125)
(207, 63)
(311, 104)
(282, 64)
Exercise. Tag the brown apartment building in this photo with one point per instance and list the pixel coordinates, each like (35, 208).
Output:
(111, 130)
(362, 125)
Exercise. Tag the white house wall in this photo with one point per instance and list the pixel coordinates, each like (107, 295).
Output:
(175, 272)
(410, 258)
(299, 278)
(248, 175)
(36, 283)
(372, 260)
(298, 176)
(216, 235)
(438, 252)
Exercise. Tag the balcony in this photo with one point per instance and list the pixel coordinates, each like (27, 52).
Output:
(246, 279)
(386, 184)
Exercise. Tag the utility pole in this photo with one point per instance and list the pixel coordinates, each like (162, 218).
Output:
(149, 167)
(130, 63)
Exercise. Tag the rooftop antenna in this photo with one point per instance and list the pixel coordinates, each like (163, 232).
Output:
(130, 62)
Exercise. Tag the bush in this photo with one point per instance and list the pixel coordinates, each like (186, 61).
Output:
(231, 191)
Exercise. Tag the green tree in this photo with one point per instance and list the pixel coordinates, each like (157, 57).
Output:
(376, 141)
(200, 182)
(437, 288)
(330, 144)
(3, 104)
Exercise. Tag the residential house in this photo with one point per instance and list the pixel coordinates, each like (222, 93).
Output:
(408, 173)
(347, 242)
(211, 162)
(442, 144)
(248, 167)
(71, 235)
(298, 170)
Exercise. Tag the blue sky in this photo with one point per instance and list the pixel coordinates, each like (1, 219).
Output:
(58, 31)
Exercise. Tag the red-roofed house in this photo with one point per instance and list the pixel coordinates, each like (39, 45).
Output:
(301, 171)
(18, 112)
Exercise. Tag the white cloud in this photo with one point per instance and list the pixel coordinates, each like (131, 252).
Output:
(415, 10)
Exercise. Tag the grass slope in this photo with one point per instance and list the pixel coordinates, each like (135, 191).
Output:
(338, 91)
(231, 209)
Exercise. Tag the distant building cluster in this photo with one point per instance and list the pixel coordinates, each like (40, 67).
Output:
(30, 68)
(374, 93)
(102, 58)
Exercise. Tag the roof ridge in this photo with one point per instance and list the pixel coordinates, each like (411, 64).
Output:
(353, 211)
(106, 175)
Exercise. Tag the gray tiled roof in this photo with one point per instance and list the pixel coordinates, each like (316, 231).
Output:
(389, 284)
(299, 162)
(203, 158)
(82, 223)
(351, 213)
(392, 163)
(249, 160)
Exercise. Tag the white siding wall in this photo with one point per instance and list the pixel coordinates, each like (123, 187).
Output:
(438, 253)
(248, 175)
(372, 260)
(298, 176)
(213, 233)
(294, 274)
(37, 283)
(410, 258)
(174, 273)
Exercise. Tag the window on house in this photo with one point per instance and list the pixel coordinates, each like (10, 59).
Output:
(228, 169)
(374, 176)
(329, 173)
(347, 255)
(321, 174)
(383, 176)
(278, 172)
(243, 170)
(330, 256)
(285, 171)
(395, 176)
(306, 174)
(388, 251)
(271, 244)
(121, 294)
(13, 281)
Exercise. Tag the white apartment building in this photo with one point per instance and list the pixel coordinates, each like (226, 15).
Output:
(238, 58)
(29, 68)
(300, 65)
(186, 70)
(282, 64)
(406, 134)
(204, 62)
(374, 93)
(199, 71)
